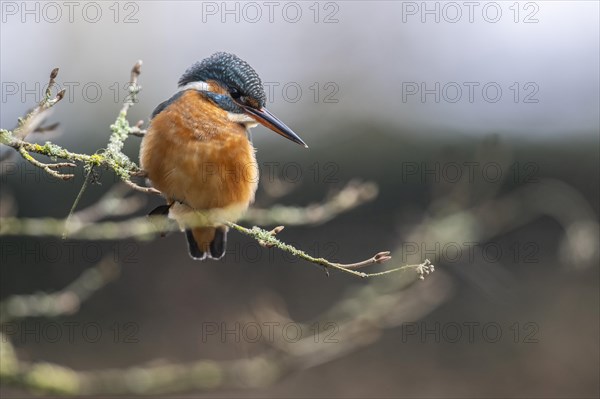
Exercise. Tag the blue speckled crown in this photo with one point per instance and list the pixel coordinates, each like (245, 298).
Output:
(230, 71)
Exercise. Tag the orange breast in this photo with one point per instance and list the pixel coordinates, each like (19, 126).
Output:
(194, 154)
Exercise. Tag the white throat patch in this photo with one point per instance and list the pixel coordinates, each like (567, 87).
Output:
(242, 118)
(200, 86)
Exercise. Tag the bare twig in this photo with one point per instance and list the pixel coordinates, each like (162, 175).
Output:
(145, 228)
(380, 257)
(111, 158)
(386, 303)
(137, 129)
(268, 239)
(354, 194)
(48, 168)
(145, 190)
(48, 128)
(273, 233)
(34, 119)
(32, 122)
(113, 203)
(66, 301)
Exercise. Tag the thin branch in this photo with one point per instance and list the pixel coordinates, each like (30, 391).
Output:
(145, 228)
(112, 203)
(65, 301)
(354, 194)
(137, 129)
(386, 303)
(380, 257)
(84, 186)
(32, 122)
(121, 129)
(48, 168)
(145, 190)
(140, 228)
(111, 158)
(34, 119)
(48, 128)
(267, 238)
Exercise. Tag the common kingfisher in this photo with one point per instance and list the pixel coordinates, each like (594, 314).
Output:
(198, 150)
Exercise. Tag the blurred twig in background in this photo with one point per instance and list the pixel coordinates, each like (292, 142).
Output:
(358, 319)
(354, 194)
(66, 301)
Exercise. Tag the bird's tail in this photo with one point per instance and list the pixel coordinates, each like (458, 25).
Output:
(207, 242)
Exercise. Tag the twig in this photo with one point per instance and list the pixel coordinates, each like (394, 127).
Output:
(145, 190)
(111, 158)
(86, 182)
(112, 203)
(65, 301)
(137, 129)
(267, 238)
(48, 128)
(386, 303)
(145, 228)
(380, 257)
(354, 194)
(48, 168)
(32, 123)
(273, 233)
(34, 119)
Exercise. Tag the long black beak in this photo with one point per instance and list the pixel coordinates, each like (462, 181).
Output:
(265, 118)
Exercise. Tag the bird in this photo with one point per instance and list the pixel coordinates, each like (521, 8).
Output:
(198, 151)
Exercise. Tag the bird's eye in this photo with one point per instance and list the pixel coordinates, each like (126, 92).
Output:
(235, 94)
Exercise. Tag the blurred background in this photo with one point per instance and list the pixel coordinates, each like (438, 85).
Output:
(477, 125)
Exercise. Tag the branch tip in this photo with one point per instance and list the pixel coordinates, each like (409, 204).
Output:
(382, 257)
(271, 233)
(136, 71)
(60, 95)
(424, 269)
(277, 230)
(49, 128)
(146, 190)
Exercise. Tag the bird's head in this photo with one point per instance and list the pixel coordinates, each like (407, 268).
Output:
(234, 86)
